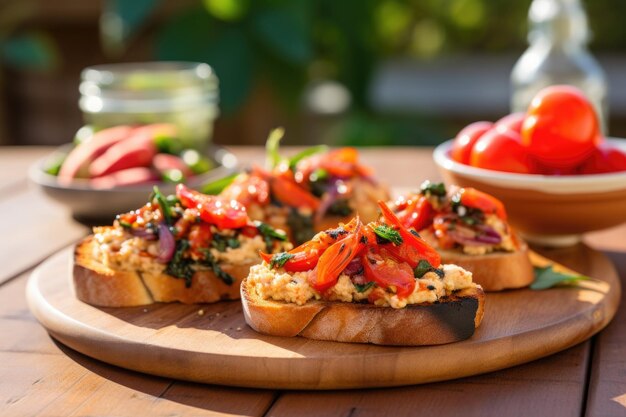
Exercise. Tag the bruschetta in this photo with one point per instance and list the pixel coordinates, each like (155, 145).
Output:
(368, 283)
(190, 248)
(469, 228)
(309, 192)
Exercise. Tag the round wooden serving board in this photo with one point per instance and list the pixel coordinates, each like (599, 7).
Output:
(212, 343)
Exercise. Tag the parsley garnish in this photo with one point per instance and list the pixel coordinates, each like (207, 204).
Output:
(547, 277)
(179, 267)
(209, 261)
(423, 267)
(269, 234)
(221, 242)
(217, 186)
(279, 259)
(388, 234)
(364, 287)
(433, 188)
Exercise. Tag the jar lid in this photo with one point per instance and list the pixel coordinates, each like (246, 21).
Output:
(147, 86)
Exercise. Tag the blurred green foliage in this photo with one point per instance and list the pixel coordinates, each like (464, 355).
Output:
(24, 49)
(290, 43)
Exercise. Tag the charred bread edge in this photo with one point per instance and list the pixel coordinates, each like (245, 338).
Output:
(495, 271)
(446, 321)
(97, 284)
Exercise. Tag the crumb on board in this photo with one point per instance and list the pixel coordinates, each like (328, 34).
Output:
(201, 312)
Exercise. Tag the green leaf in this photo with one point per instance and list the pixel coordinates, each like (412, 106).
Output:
(434, 188)
(279, 259)
(164, 204)
(217, 186)
(388, 233)
(285, 32)
(196, 36)
(268, 231)
(547, 277)
(272, 156)
(293, 161)
(364, 287)
(121, 20)
(30, 51)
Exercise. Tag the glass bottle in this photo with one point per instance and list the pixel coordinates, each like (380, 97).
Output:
(182, 93)
(558, 54)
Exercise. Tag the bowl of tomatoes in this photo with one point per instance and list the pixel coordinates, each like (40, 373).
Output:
(558, 176)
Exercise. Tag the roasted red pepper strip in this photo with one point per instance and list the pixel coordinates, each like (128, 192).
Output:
(471, 197)
(335, 259)
(417, 214)
(413, 248)
(306, 256)
(290, 193)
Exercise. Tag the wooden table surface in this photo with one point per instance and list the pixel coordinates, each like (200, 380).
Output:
(41, 377)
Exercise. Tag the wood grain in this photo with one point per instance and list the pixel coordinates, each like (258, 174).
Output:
(518, 326)
(551, 387)
(607, 385)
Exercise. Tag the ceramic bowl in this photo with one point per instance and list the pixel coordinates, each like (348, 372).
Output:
(548, 210)
(100, 206)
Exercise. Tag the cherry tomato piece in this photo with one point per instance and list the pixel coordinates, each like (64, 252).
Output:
(501, 150)
(561, 127)
(288, 192)
(511, 121)
(465, 140)
(225, 214)
(386, 272)
(417, 214)
(603, 160)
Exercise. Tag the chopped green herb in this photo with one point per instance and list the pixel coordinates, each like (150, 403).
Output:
(269, 234)
(53, 165)
(340, 207)
(423, 267)
(364, 287)
(178, 266)
(209, 261)
(547, 277)
(279, 259)
(388, 234)
(217, 186)
(293, 161)
(163, 203)
(221, 242)
(434, 188)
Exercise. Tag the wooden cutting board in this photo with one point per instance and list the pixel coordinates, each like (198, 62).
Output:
(212, 343)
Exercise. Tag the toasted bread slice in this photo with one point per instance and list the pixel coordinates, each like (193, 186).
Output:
(98, 284)
(495, 271)
(449, 320)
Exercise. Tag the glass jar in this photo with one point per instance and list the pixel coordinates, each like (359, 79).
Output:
(558, 54)
(182, 93)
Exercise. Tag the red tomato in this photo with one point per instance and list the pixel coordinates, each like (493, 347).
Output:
(225, 214)
(561, 127)
(199, 238)
(464, 141)
(334, 260)
(604, 159)
(501, 150)
(387, 272)
(511, 121)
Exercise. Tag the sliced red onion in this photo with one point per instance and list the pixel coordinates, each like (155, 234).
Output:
(354, 267)
(143, 233)
(488, 234)
(167, 244)
(329, 197)
(468, 237)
